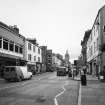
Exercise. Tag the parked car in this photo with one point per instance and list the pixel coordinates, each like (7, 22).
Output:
(61, 71)
(16, 73)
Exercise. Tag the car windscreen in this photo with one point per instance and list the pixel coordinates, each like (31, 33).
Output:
(9, 69)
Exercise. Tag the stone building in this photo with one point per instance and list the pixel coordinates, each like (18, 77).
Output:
(96, 44)
(11, 47)
(84, 48)
(49, 61)
(56, 60)
(44, 58)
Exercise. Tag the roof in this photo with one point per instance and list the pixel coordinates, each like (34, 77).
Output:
(11, 29)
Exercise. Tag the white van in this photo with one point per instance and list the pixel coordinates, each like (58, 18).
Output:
(18, 73)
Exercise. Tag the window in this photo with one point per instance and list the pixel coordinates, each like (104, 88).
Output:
(12, 69)
(11, 46)
(34, 58)
(91, 50)
(16, 48)
(33, 48)
(29, 57)
(97, 44)
(104, 28)
(49, 56)
(20, 50)
(38, 59)
(94, 47)
(0, 42)
(38, 51)
(5, 44)
(29, 46)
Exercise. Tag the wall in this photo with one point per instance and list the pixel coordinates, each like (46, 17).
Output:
(33, 53)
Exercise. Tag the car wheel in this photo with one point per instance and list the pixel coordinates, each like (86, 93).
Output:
(31, 77)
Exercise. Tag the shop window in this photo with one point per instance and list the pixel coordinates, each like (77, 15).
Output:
(16, 48)
(5, 44)
(11, 46)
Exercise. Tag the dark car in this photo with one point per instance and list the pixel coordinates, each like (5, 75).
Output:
(61, 71)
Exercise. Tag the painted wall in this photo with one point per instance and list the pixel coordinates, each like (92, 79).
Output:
(27, 51)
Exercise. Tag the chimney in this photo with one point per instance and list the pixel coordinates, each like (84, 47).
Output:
(16, 29)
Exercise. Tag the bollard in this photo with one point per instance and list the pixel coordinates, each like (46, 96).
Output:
(69, 74)
(83, 80)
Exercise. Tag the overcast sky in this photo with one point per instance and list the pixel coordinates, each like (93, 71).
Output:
(59, 24)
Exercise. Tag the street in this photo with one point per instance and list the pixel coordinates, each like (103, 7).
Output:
(44, 89)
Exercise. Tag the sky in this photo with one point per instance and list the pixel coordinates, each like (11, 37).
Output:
(58, 24)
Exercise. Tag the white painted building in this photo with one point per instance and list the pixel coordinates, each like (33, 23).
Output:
(33, 56)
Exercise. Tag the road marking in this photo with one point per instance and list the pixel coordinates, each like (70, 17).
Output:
(79, 96)
(55, 99)
(20, 84)
(52, 77)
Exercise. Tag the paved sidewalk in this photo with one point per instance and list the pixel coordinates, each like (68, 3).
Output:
(89, 77)
(93, 93)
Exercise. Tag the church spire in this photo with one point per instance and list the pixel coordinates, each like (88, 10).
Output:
(67, 51)
(67, 57)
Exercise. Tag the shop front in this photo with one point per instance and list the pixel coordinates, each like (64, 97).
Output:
(10, 60)
(31, 67)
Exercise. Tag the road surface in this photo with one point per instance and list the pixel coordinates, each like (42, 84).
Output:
(45, 89)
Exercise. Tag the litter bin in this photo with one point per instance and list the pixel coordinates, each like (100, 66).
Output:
(83, 80)
(69, 74)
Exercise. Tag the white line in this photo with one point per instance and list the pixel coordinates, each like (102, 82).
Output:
(55, 99)
(79, 96)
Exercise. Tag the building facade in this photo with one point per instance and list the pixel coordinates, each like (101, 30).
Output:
(11, 47)
(33, 56)
(83, 57)
(95, 44)
(56, 61)
(49, 61)
(67, 58)
(44, 58)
